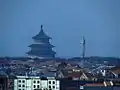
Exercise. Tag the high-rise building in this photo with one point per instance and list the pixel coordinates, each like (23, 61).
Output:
(41, 47)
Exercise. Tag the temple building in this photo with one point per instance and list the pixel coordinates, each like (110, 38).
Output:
(41, 48)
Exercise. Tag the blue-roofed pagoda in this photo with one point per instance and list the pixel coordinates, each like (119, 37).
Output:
(41, 48)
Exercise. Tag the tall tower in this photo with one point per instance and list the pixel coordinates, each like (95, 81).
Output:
(83, 46)
(83, 52)
(41, 47)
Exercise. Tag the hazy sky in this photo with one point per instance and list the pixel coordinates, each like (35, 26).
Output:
(66, 21)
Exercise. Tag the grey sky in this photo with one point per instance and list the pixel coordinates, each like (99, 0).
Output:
(66, 21)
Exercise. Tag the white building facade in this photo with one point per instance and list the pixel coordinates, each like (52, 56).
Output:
(36, 83)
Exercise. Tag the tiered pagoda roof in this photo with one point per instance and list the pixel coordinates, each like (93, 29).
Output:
(37, 53)
(41, 35)
(41, 47)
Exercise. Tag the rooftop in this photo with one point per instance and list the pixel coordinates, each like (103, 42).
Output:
(116, 70)
(41, 45)
(41, 35)
(36, 77)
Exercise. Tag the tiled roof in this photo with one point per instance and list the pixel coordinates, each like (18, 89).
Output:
(2, 73)
(49, 74)
(70, 73)
(41, 35)
(41, 53)
(116, 70)
(98, 75)
(89, 75)
(41, 45)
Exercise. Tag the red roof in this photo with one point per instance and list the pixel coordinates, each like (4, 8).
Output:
(116, 70)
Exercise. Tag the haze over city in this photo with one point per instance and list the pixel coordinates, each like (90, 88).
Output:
(66, 21)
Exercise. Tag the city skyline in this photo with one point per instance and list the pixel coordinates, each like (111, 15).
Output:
(65, 21)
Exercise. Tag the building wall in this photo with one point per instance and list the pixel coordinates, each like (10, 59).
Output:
(53, 84)
(36, 83)
(28, 84)
(57, 85)
(44, 84)
(15, 85)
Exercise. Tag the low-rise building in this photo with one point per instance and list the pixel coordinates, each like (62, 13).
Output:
(116, 71)
(3, 82)
(36, 83)
(77, 74)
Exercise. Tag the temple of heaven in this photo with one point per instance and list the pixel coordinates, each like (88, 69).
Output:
(41, 48)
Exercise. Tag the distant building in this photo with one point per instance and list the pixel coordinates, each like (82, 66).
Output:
(77, 74)
(69, 84)
(11, 82)
(116, 71)
(3, 82)
(36, 83)
(41, 48)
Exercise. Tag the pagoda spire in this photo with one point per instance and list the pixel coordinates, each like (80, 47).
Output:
(41, 27)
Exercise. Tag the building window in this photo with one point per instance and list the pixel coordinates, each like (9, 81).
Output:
(38, 86)
(23, 89)
(19, 81)
(34, 81)
(23, 81)
(38, 81)
(49, 86)
(23, 85)
(49, 82)
(53, 82)
(19, 85)
(53, 86)
(19, 89)
(34, 86)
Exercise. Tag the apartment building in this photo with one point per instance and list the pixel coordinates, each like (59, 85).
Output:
(36, 83)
